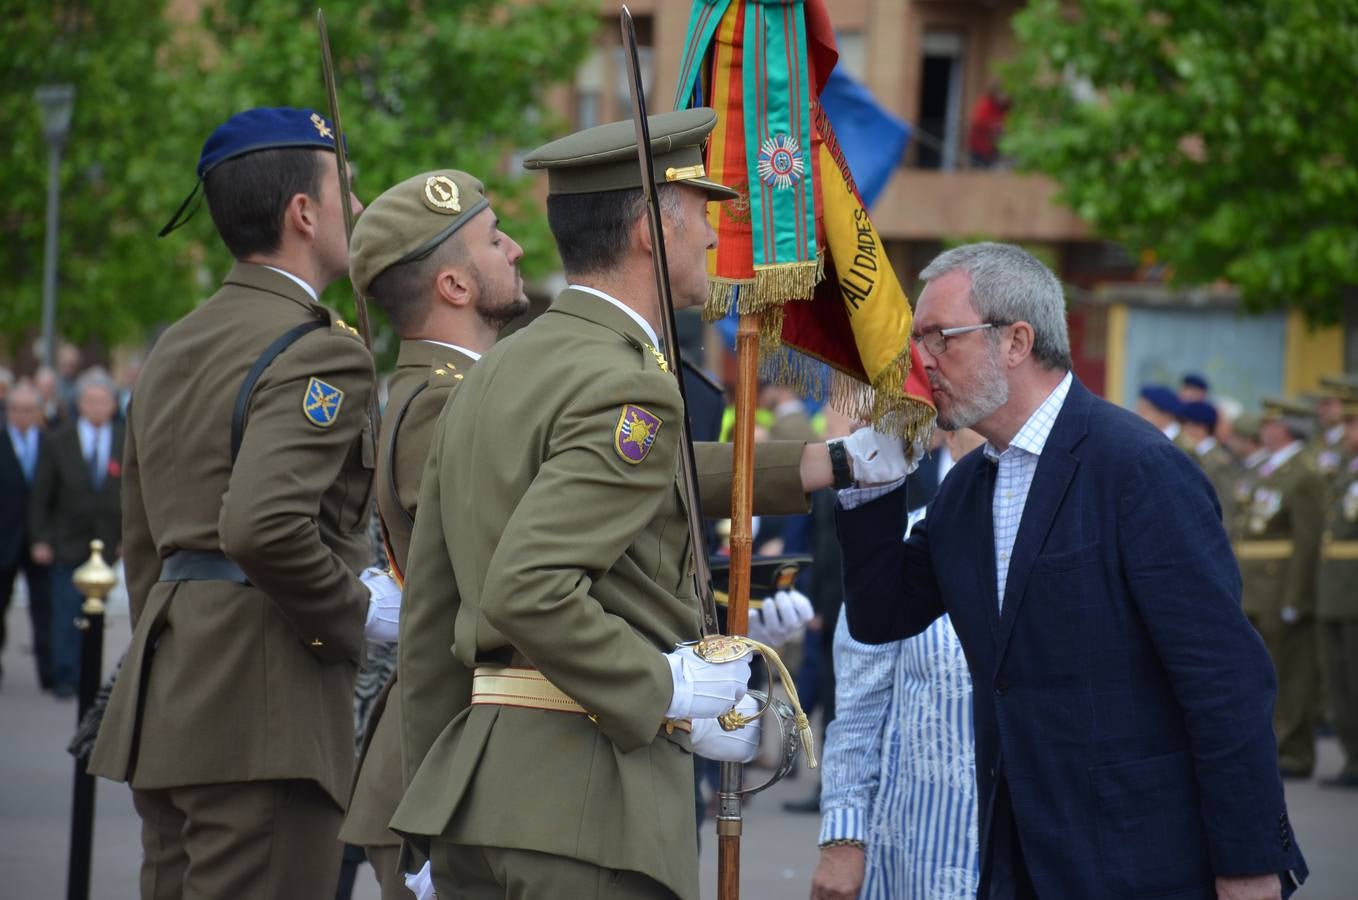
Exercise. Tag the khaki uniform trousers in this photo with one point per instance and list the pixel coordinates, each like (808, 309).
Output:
(1339, 648)
(255, 840)
(1295, 652)
(385, 861)
(463, 872)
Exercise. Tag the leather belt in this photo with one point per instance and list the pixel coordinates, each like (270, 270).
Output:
(1339, 550)
(1263, 550)
(529, 689)
(200, 565)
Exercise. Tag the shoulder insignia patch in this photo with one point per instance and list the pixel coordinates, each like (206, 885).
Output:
(321, 403)
(659, 358)
(635, 434)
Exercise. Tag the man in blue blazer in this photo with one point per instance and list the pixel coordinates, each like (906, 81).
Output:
(1123, 703)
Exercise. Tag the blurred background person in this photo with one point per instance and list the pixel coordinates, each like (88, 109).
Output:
(6, 383)
(76, 499)
(898, 802)
(69, 361)
(1337, 602)
(21, 447)
(1198, 419)
(1160, 406)
(1193, 388)
(45, 381)
(987, 127)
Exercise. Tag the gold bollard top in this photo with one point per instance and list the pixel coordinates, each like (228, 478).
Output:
(94, 579)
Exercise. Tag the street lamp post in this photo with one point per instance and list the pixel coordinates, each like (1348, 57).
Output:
(55, 101)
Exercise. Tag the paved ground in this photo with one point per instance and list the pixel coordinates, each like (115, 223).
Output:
(779, 848)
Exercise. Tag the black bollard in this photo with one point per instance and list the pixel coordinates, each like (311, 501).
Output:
(94, 579)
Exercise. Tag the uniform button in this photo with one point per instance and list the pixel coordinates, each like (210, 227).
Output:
(1001, 687)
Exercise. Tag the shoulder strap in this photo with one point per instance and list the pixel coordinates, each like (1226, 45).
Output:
(248, 385)
(391, 452)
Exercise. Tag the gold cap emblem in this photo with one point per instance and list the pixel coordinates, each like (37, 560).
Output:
(321, 128)
(441, 194)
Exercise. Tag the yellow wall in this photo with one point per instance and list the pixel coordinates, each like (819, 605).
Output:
(1115, 355)
(1311, 353)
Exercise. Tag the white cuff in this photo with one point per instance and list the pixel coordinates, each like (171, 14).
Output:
(850, 498)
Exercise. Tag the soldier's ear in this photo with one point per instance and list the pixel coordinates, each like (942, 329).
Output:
(300, 215)
(455, 286)
(640, 234)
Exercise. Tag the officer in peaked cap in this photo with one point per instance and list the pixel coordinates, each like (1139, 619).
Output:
(1337, 601)
(552, 554)
(247, 484)
(1327, 444)
(431, 253)
(1279, 556)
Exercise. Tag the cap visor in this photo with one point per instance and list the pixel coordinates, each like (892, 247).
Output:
(714, 190)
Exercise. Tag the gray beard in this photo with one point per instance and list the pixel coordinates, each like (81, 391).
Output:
(991, 392)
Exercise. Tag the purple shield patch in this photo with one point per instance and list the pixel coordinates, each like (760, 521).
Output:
(635, 434)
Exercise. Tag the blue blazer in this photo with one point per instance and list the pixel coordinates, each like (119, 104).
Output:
(1128, 698)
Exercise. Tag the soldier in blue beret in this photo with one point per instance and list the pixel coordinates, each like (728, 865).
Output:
(1160, 406)
(1193, 388)
(247, 488)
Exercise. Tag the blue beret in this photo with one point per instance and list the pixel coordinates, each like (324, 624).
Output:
(265, 129)
(1200, 412)
(1193, 379)
(1162, 398)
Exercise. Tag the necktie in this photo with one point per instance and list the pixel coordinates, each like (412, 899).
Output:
(96, 470)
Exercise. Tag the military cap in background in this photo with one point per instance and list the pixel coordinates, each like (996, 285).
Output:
(1343, 386)
(1199, 412)
(264, 128)
(1162, 398)
(604, 158)
(1299, 417)
(1247, 426)
(408, 221)
(768, 576)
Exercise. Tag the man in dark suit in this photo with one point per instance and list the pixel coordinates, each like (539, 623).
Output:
(1123, 704)
(21, 446)
(75, 500)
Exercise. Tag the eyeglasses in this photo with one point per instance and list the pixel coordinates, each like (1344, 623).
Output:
(936, 342)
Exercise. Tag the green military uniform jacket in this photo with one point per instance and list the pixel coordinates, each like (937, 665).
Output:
(426, 374)
(1337, 599)
(1280, 548)
(552, 533)
(1222, 471)
(226, 682)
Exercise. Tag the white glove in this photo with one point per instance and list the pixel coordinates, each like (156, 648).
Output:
(421, 884)
(714, 742)
(781, 618)
(878, 458)
(702, 689)
(384, 605)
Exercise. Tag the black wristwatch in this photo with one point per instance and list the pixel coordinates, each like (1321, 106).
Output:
(839, 465)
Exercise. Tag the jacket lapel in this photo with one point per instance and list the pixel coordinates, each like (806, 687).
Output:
(1055, 471)
(985, 547)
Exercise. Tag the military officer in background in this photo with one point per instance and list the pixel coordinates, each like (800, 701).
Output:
(1337, 603)
(1279, 556)
(551, 553)
(1199, 422)
(247, 482)
(431, 253)
(1328, 442)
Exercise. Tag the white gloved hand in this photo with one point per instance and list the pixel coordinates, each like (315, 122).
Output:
(384, 605)
(702, 689)
(878, 458)
(714, 742)
(421, 884)
(781, 618)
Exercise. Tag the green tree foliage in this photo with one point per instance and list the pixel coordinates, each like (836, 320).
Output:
(1220, 135)
(452, 84)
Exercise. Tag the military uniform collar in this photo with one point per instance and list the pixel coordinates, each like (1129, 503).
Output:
(422, 354)
(271, 280)
(617, 304)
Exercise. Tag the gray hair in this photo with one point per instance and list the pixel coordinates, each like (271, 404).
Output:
(95, 378)
(1008, 285)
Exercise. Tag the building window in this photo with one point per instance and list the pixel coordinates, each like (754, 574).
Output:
(601, 92)
(939, 126)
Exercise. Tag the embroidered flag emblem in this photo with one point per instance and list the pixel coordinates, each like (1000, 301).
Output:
(321, 403)
(635, 434)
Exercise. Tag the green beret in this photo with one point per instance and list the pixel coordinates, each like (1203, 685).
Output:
(409, 220)
(604, 158)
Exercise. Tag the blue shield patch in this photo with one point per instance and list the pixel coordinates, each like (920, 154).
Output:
(321, 403)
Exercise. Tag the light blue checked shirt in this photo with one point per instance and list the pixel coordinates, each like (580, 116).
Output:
(1017, 465)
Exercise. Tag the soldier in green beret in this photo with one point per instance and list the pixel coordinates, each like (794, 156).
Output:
(1337, 603)
(430, 252)
(1279, 556)
(552, 556)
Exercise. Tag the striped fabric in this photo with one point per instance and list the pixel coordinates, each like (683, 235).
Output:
(899, 766)
(1017, 466)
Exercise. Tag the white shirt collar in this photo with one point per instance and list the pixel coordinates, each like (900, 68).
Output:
(1205, 446)
(1283, 455)
(1335, 434)
(1032, 437)
(311, 291)
(463, 350)
(1172, 430)
(636, 316)
(1257, 457)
